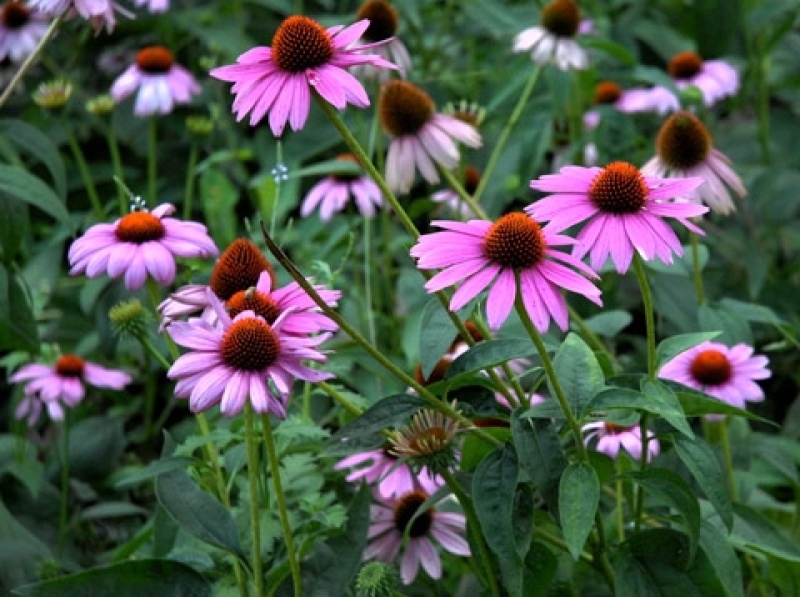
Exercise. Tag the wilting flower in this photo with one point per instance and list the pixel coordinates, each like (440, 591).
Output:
(479, 253)
(448, 197)
(161, 82)
(428, 439)
(382, 19)
(624, 208)
(683, 149)
(21, 30)
(62, 384)
(100, 13)
(726, 373)
(333, 192)
(154, 6)
(422, 137)
(303, 55)
(391, 520)
(716, 79)
(392, 476)
(610, 438)
(554, 40)
(243, 358)
(138, 244)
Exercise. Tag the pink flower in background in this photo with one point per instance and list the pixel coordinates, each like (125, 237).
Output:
(421, 137)
(240, 359)
(624, 209)
(726, 373)
(161, 83)
(610, 438)
(448, 197)
(30, 409)
(21, 30)
(554, 40)
(392, 476)
(333, 192)
(154, 6)
(382, 18)
(389, 521)
(138, 244)
(716, 79)
(304, 56)
(479, 253)
(100, 13)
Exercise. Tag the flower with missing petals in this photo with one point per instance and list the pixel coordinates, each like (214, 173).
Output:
(100, 13)
(303, 55)
(554, 40)
(610, 438)
(21, 30)
(333, 192)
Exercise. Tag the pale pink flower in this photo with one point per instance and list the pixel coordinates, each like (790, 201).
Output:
(392, 476)
(303, 56)
(138, 244)
(726, 373)
(554, 40)
(479, 253)
(382, 19)
(240, 359)
(609, 93)
(30, 409)
(332, 193)
(389, 521)
(154, 6)
(610, 438)
(21, 30)
(624, 209)
(716, 79)
(100, 13)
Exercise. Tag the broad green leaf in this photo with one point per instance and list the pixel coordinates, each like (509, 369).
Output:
(754, 533)
(723, 559)
(578, 372)
(733, 327)
(488, 354)
(696, 404)
(621, 53)
(113, 510)
(672, 347)
(540, 570)
(752, 312)
(493, 488)
(437, 333)
(609, 323)
(540, 455)
(25, 187)
(39, 145)
(578, 496)
(702, 462)
(95, 447)
(155, 468)
(165, 578)
(522, 515)
(197, 512)
(19, 332)
(327, 167)
(475, 449)
(22, 462)
(666, 403)
(20, 552)
(13, 224)
(219, 201)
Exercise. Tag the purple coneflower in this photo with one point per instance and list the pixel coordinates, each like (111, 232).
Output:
(303, 55)
(610, 438)
(242, 358)
(100, 13)
(21, 30)
(684, 148)
(392, 476)
(479, 253)
(332, 193)
(161, 82)
(624, 209)
(554, 40)
(421, 137)
(138, 244)
(390, 520)
(726, 373)
(154, 6)
(383, 19)
(716, 79)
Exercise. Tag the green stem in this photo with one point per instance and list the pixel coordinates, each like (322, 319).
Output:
(339, 399)
(474, 524)
(698, 272)
(116, 162)
(620, 504)
(558, 543)
(188, 193)
(649, 315)
(456, 185)
(30, 60)
(252, 478)
(727, 457)
(275, 469)
(63, 510)
(591, 338)
(152, 159)
(86, 176)
(510, 126)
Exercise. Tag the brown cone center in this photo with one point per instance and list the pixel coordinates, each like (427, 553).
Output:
(404, 108)
(619, 189)
(607, 92)
(683, 141)
(405, 509)
(70, 365)
(252, 300)
(14, 15)
(684, 65)
(301, 43)
(140, 227)
(250, 345)
(154, 60)
(382, 20)
(561, 18)
(238, 268)
(711, 368)
(515, 241)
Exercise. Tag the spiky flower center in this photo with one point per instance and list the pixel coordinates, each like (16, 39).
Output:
(684, 65)
(343, 176)
(427, 442)
(711, 368)
(515, 241)
(607, 92)
(562, 18)
(683, 141)
(405, 509)
(238, 268)
(382, 20)
(613, 429)
(140, 227)
(301, 43)
(70, 365)
(250, 345)
(472, 178)
(619, 189)
(404, 108)
(252, 300)
(14, 15)
(154, 60)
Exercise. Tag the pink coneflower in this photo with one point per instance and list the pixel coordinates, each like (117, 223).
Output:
(30, 409)
(727, 374)
(383, 19)
(716, 79)
(100, 13)
(609, 93)
(392, 476)
(390, 519)
(454, 203)
(21, 30)
(62, 384)
(684, 148)
(154, 6)
(422, 137)
(554, 40)
(479, 253)
(243, 358)
(624, 208)
(303, 55)
(333, 192)
(610, 438)
(138, 244)
(161, 82)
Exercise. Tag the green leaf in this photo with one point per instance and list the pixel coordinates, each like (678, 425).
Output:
(197, 512)
(37, 144)
(488, 354)
(578, 496)
(112, 510)
(723, 559)
(20, 552)
(702, 462)
(475, 448)
(578, 371)
(672, 347)
(666, 403)
(25, 187)
(219, 202)
(609, 323)
(493, 487)
(165, 578)
(437, 333)
(95, 447)
(621, 53)
(733, 327)
(756, 534)
(155, 468)
(327, 167)
(13, 223)
(20, 331)
(540, 570)
(696, 404)
(540, 454)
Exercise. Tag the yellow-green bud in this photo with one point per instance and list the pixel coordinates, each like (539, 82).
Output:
(53, 95)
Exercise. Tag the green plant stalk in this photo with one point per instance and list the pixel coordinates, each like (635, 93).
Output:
(503, 139)
(727, 457)
(559, 543)
(518, 397)
(188, 193)
(252, 478)
(116, 162)
(30, 60)
(698, 272)
(456, 185)
(339, 399)
(275, 469)
(63, 509)
(152, 160)
(591, 338)
(474, 524)
(86, 176)
(368, 299)
(620, 504)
